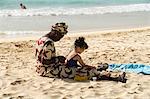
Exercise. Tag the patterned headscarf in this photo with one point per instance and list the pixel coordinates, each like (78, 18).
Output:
(60, 27)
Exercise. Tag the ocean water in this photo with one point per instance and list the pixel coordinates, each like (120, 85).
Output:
(71, 7)
(80, 15)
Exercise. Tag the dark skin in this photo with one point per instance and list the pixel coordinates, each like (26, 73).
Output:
(54, 35)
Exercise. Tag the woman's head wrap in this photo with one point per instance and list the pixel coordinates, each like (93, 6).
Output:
(60, 27)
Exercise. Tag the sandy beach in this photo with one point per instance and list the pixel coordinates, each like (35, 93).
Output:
(18, 79)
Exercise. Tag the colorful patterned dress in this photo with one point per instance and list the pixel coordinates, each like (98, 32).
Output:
(49, 65)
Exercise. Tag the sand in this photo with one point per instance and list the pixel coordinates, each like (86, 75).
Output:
(18, 79)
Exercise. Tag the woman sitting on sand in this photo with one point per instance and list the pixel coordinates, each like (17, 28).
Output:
(50, 65)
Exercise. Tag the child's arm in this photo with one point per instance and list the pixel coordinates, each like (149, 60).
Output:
(79, 59)
(70, 55)
(81, 62)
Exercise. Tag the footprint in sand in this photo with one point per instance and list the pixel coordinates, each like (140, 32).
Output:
(136, 89)
(2, 83)
(9, 95)
(17, 82)
(18, 97)
(6, 95)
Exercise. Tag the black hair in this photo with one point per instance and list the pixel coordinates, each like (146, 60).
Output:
(21, 4)
(80, 43)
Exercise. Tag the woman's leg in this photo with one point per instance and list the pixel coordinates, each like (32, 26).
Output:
(118, 78)
(104, 75)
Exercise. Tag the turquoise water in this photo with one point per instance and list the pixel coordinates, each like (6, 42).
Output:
(13, 4)
(81, 15)
(71, 7)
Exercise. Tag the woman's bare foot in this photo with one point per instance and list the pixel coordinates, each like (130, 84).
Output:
(122, 78)
(102, 67)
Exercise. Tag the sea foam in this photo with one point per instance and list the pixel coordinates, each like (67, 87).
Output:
(76, 11)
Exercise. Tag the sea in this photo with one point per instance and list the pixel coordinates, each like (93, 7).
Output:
(81, 15)
(71, 7)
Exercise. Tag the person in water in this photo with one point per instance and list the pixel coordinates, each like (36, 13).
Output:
(22, 6)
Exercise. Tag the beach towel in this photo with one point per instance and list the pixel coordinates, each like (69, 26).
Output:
(136, 68)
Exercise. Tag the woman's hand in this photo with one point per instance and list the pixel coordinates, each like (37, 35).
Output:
(65, 61)
(61, 59)
(91, 67)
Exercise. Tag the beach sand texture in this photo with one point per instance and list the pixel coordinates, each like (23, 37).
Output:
(18, 79)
